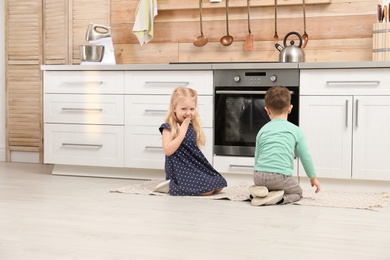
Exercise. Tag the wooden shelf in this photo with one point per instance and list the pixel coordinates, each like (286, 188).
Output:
(193, 4)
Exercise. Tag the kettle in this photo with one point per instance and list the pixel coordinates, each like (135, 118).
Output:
(291, 53)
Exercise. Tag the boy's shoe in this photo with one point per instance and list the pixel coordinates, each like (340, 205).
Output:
(258, 191)
(162, 187)
(272, 198)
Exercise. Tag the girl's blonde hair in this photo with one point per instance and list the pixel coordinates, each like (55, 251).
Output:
(178, 96)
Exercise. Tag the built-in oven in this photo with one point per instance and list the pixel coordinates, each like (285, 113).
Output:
(239, 106)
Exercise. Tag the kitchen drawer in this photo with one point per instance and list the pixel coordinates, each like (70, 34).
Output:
(95, 82)
(144, 147)
(151, 110)
(239, 165)
(164, 82)
(84, 109)
(89, 145)
(345, 82)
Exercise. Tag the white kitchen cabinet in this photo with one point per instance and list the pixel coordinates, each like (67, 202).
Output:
(146, 105)
(343, 115)
(84, 118)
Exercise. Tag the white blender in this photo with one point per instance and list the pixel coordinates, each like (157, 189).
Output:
(101, 49)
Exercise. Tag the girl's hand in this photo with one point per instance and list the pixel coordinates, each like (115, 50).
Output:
(184, 126)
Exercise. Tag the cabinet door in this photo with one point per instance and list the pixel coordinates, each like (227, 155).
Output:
(327, 124)
(371, 138)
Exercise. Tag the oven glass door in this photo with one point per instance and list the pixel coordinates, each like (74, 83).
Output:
(239, 115)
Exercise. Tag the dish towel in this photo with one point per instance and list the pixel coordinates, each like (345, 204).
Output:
(144, 17)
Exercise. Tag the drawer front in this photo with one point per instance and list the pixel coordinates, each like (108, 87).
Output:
(144, 147)
(145, 110)
(95, 82)
(84, 109)
(239, 165)
(164, 82)
(345, 82)
(88, 145)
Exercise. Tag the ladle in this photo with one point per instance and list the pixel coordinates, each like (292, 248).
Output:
(249, 38)
(201, 40)
(305, 37)
(276, 37)
(227, 39)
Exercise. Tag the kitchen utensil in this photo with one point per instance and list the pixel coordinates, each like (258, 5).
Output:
(99, 36)
(305, 37)
(249, 37)
(227, 39)
(385, 14)
(276, 37)
(201, 40)
(291, 53)
(91, 53)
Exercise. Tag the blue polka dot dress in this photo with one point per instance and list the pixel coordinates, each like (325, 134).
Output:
(188, 169)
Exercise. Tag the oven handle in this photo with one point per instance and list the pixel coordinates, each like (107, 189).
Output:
(244, 92)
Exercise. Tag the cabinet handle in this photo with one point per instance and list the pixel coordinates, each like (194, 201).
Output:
(97, 83)
(352, 82)
(357, 112)
(82, 109)
(85, 145)
(179, 83)
(346, 112)
(147, 147)
(240, 166)
(259, 92)
(156, 111)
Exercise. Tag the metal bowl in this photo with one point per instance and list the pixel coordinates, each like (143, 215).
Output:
(91, 53)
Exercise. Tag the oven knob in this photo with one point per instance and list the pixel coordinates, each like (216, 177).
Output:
(237, 78)
(273, 78)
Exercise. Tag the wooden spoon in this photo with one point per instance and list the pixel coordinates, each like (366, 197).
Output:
(249, 37)
(201, 40)
(227, 39)
(305, 37)
(276, 37)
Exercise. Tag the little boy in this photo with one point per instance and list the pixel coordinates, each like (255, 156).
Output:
(276, 144)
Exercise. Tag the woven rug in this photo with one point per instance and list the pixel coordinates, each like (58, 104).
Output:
(336, 199)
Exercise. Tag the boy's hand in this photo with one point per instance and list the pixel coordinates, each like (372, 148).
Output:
(315, 182)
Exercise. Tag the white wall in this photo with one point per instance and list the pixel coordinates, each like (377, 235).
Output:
(2, 82)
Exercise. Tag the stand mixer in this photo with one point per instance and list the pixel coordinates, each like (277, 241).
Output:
(98, 36)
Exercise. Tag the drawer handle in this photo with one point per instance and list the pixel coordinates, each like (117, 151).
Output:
(237, 92)
(180, 83)
(156, 111)
(147, 147)
(240, 166)
(82, 109)
(83, 82)
(352, 82)
(84, 145)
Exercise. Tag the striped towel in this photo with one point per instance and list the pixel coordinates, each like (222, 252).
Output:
(144, 17)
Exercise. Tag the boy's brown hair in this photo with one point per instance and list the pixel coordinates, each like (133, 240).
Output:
(278, 99)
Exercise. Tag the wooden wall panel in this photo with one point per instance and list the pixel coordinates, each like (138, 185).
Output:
(55, 32)
(82, 13)
(23, 76)
(341, 21)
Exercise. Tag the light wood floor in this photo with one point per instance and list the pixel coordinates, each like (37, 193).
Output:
(60, 217)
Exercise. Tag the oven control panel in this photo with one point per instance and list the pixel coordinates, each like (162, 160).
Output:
(284, 77)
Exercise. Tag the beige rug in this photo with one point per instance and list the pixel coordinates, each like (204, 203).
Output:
(337, 199)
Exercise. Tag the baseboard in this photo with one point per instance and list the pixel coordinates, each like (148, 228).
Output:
(2, 154)
(25, 157)
(108, 172)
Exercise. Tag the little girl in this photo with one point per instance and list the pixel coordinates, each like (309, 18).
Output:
(188, 172)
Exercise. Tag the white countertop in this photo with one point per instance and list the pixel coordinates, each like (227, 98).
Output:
(227, 65)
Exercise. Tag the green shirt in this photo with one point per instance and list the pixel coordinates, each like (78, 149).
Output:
(275, 145)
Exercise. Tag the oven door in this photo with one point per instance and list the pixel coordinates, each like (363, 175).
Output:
(239, 115)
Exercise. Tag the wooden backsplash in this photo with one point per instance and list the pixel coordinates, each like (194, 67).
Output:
(338, 31)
